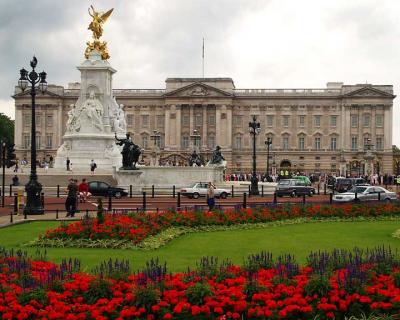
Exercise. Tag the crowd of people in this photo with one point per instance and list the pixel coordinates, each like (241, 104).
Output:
(373, 179)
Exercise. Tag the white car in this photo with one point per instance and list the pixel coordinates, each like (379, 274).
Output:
(199, 189)
(365, 193)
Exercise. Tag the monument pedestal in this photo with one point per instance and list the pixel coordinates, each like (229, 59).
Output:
(164, 177)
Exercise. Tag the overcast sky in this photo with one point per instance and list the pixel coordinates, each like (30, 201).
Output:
(260, 44)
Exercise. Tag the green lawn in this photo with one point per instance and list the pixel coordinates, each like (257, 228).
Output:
(185, 251)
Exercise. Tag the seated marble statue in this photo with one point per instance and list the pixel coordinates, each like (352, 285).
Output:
(217, 157)
(92, 113)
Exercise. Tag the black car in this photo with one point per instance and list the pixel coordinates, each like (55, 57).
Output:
(293, 188)
(99, 188)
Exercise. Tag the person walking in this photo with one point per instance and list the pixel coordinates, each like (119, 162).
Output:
(93, 167)
(70, 202)
(68, 163)
(210, 196)
(46, 167)
(83, 190)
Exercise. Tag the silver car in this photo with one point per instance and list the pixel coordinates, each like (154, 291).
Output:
(365, 193)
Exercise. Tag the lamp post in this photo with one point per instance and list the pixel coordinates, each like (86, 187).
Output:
(254, 129)
(33, 188)
(268, 143)
(3, 182)
(156, 136)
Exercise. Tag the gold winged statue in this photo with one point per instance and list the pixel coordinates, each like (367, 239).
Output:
(96, 26)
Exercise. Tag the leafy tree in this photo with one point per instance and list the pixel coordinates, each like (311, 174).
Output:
(6, 128)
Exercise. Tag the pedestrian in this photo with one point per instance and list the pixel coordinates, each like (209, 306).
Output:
(68, 163)
(51, 161)
(210, 196)
(93, 167)
(15, 181)
(70, 202)
(83, 190)
(16, 166)
(46, 167)
(70, 168)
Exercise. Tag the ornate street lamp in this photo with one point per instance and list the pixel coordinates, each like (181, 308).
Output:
(254, 129)
(33, 188)
(3, 162)
(268, 143)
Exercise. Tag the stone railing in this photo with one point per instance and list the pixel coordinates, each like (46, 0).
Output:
(274, 92)
(138, 92)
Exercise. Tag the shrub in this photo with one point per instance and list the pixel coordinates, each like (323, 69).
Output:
(98, 289)
(196, 293)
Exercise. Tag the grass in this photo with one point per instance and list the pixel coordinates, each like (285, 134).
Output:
(185, 251)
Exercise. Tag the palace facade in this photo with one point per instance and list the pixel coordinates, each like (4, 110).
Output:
(312, 130)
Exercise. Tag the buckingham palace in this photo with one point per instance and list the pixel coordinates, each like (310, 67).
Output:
(312, 130)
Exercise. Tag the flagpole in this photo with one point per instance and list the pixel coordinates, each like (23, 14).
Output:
(203, 58)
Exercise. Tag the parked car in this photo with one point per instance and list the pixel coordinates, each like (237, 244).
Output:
(99, 188)
(199, 189)
(305, 179)
(293, 188)
(365, 193)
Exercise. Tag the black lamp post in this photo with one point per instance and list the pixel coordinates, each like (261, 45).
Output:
(3, 161)
(33, 188)
(268, 143)
(254, 129)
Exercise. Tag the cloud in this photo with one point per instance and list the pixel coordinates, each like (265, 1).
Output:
(260, 43)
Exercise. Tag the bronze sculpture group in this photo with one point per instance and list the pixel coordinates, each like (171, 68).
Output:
(130, 152)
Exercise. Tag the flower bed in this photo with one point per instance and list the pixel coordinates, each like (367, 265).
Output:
(333, 285)
(139, 226)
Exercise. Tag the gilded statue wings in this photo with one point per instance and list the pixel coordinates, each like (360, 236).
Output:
(105, 16)
(102, 17)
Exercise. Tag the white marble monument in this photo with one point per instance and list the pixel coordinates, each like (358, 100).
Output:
(93, 120)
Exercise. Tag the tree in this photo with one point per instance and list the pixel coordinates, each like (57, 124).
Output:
(6, 128)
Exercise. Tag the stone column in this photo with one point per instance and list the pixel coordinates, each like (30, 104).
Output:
(191, 119)
(388, 123)
(218, 137)
(60, 125)
(178, 127)
(18, 128)
(229, 127)
(204, 136)
(167, 128)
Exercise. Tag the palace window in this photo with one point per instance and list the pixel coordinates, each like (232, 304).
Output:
(317, 143)
(367, 120)
(160, 121)
(211, 119)
(145, 141)
(198, 120)
(285, 120)
(354, 120)
(379, 120)
(145, 120)
(37, 140)
(270, 120)
(285, 143)
(333, 143)
(129, 119)
(27, 141)
(302, 121)
(238, 142)
(27, 120)
(333, 121)
(354, 143)
(379, 143)
(211, 142)
(237, 121)
(49, 121)
(301, 143)
(38, 119)
(185, 120)
(367, 141)
(185, 142)
(49, 141)
(317, 121)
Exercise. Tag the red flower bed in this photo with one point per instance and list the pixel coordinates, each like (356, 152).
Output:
(138, 226)
(43, 290)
